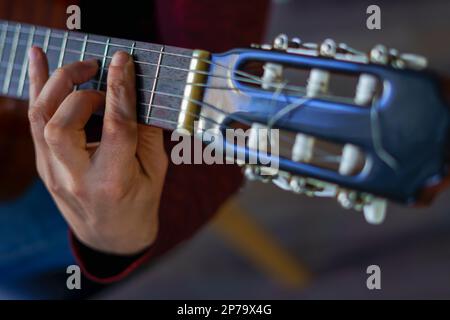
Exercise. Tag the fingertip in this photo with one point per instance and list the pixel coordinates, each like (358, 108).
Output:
(120, 59)
(34, 53)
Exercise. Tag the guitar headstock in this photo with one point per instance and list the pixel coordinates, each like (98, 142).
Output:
(386, 138)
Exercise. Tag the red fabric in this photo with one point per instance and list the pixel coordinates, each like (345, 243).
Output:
(193, 193)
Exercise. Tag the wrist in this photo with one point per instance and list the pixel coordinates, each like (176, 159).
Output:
(118, 239)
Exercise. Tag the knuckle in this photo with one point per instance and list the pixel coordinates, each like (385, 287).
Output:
(112, 190)
(53, 134)
(53, 186)
(34, 114)
(117, 87)
(63, 75)
(77, 190)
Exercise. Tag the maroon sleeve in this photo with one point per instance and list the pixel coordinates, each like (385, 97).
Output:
(192, 193)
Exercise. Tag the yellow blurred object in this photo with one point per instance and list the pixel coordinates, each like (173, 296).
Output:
(239, 229)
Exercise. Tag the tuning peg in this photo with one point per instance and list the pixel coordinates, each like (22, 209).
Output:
(281, 42)
(260, 173)
(379, 54)
(351, 159)
(375, 211)
(303, 148)
(282, 180)
(414, 61)
(295, 42)
(328, 48)
(346, 198)
(298, 184)
(250, 173)
(365, 89)
(273, 73)
(317, 82)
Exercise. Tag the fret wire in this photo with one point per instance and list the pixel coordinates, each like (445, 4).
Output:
(63, 50)
(242, 73)
(149, 91)
(132, 48)
(3, 40)
(155, 81)
(83, 49)
(49, 47)
(103, 63)
(55, 35)
(12, 57)
(23, 73)
(48, 34)
(194, 101)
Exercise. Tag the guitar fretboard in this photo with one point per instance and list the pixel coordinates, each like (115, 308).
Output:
(161, 71)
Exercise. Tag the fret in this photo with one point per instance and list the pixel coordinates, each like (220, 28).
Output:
(63, 50)
(105, 54)
(23, 72)
(155, 81)
(83, 49)
(160, 69)
(3, 39)
(3, 34)
(132, 48)
(12, 57)
(48, 34)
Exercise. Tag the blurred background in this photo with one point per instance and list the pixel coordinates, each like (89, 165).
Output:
(270, 244)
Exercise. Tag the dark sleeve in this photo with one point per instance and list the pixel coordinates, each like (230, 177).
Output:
(190, 197)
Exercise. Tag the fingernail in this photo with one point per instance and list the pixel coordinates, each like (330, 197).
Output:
(120, 59)
(33, 53)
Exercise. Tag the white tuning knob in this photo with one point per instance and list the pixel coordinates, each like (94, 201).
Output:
(263, 139)
(303, 148)
(317, 82)
(351, 159)
(273, 74)
(414, 61)
(365, 89)
(375, 211)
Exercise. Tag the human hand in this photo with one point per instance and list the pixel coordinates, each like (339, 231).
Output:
(109, 193)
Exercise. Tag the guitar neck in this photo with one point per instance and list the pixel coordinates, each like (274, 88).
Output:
(161, 71)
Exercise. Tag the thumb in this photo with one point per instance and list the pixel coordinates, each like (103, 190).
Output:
(150, 151)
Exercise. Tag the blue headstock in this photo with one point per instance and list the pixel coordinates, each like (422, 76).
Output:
(389, 140)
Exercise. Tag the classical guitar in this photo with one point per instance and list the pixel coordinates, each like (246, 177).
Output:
(385, 138)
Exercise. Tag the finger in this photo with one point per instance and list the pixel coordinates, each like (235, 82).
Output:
(64, 133)
(38, 74)
(61, 84)
(46, 99)
(119, 135)
(37, 71)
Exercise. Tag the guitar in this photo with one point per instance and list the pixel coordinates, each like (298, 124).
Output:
(386, 139)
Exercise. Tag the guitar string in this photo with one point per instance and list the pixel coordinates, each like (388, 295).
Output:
(62, 36)
(186, 56)
(249, 78)
(323, 158)
(382, 153)
(187, 70)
